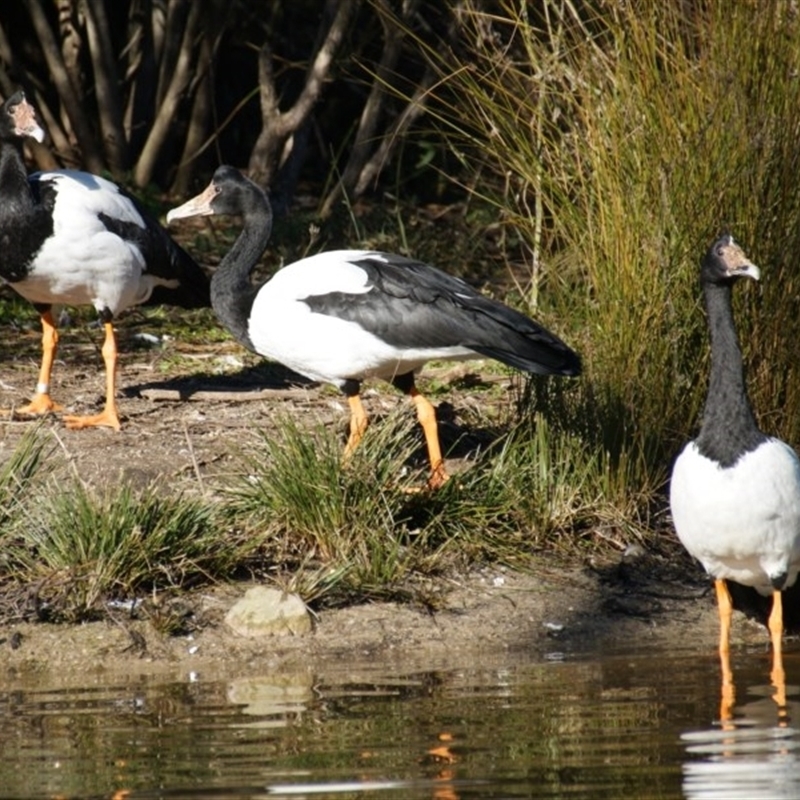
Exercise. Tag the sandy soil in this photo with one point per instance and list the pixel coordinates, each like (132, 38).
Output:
(490, 616)
(187, 414)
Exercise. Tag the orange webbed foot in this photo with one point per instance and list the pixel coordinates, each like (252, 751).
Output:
(438, 478)
(107, 419)
(40, 404)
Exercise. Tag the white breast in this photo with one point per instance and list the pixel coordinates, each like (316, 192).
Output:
(741, 523)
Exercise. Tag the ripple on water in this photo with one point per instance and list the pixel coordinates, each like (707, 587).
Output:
(639, 726)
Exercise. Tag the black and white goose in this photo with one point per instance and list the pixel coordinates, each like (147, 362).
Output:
(347, 315)
(74, 238)
(735, 492)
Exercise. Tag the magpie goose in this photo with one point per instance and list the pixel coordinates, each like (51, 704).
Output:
(74, 238)
(735, 492)
(346, 315)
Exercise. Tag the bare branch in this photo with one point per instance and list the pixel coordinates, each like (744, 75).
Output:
(414, 109)
(170, 43)
(321, 67)
(42, 153)
(7, 86)
(274, 142)
(107, 86)
(71, 41)
(412, 112)
(69, 98)
(198, 122)
(393, 36)
(140, 73)
(168, 111)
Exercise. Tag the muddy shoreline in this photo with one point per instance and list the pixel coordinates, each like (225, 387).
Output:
(188, 414)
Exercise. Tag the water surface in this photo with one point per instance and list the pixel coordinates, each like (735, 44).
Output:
(636, 726)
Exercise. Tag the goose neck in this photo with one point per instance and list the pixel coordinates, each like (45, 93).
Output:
(729, 427)
(232, 291)
(234, 270)
(13, 179)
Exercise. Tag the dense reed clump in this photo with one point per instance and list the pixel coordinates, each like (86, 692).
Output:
(616, 140)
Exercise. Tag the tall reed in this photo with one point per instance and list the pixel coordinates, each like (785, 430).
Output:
(618, 140)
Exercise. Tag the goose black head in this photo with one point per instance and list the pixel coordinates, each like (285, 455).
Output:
(18, 119)
(725, 262)
(228, 194)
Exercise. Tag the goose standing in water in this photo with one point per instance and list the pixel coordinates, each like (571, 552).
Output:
(74, 238)
(735, 492)
(346, 315)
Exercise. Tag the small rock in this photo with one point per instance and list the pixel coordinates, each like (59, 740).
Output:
(228, 362)
(263, 612)
(633, 552)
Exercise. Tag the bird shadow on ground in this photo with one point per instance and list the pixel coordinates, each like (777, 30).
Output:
(643, 580)
(262, 376)
(460, 440)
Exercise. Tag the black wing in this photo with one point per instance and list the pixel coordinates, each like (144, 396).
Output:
(165, 258)
(412, 304)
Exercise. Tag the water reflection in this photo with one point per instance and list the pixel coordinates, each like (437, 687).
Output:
(594, 728)
(752, 752)
(274, 700)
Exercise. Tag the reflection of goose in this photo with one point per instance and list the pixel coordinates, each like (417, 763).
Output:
(773, 776)
(754, 756)
(735, 492)
(346, 315)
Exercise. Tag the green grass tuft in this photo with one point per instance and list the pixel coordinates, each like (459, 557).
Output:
(342, 520)
(21, 475)
(82, 548)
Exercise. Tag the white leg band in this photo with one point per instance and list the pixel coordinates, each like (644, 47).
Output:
(42, 388)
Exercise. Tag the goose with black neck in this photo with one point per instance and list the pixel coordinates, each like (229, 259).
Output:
(73, 238)
(735, 491)
(344, 316)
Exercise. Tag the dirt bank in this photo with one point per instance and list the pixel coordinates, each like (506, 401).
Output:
(490, 616)
(188, 412)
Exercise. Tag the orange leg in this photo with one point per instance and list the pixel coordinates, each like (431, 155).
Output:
(426, 414)
(775, 624)
(108, 417)
(41, 402)
(725, 605)
(358, 423)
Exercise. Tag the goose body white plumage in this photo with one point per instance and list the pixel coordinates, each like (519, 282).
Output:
(741, 522)
(73, 264)
(359, 354)
(345, 315)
